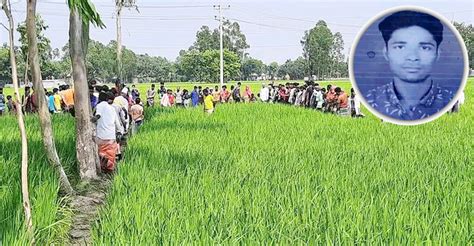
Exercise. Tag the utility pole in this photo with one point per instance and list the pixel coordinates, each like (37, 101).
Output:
(118, 23)
(220, 8)
(119, 4)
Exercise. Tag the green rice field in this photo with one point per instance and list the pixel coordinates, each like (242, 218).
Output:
(260, 174)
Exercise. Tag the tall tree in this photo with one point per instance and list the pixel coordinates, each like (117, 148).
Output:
(317, 44)
(82, 12)
(251, 67)
(272, 69)
(43, 112)
(204, 66)
(337, 55)
(233, 39)
(21, 124)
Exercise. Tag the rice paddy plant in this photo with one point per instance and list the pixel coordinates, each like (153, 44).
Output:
(279, 174)
(51, 217)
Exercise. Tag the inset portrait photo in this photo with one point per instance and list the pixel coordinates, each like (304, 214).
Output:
(409, 65)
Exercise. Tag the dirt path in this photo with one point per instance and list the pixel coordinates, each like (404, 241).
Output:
(85, 207)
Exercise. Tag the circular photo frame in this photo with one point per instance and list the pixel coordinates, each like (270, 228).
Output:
(409, 65)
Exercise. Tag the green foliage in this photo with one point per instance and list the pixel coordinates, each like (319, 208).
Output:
(232, 39)
(467, 33)
(158, 69)
(5, 71)
(205, 66)
(87, 11)
(295, 69)
(251, 67)
(44, 49)
(274, 174)
(272, 69)
(44, 44)
(323, 52)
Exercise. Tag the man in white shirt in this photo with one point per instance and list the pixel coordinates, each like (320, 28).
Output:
(105, 117)
(264, 93)
(122, 100)
(291, 98)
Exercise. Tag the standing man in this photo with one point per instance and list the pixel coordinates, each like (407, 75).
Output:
(11, 105)
(135, 93)
(150, 96)
(216, 95)
(2, 102)
(68, 99)
(105, 116)
(208, 102)
(195, 96)
(342, 102)
(163, 90)
(264, 93)
(225, 94)
(57, 100)
(136, 111)
(236, 93)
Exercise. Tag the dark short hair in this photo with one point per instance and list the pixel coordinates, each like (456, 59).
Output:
(338, 89)
(103, 96)
(110, 95)
(92, 82)
(404, 19)
(138, 100)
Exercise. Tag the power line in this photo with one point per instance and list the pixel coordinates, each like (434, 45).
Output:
(300, 19)
(142, 6)
(164, 18)
(266, 25)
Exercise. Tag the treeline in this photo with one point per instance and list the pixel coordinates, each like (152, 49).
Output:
(322, 58)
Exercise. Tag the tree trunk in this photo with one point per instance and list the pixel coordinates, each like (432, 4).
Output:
(26, 70)
(21, 125)
(87, 155)
(85, 48)
(119, 41)
(43, 111)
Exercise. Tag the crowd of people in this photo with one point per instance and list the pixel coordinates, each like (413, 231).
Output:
(310, 95)
(118, 112)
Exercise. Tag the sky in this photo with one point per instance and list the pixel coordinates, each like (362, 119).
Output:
(273, 29)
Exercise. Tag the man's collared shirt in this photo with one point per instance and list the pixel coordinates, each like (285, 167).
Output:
(385, 100)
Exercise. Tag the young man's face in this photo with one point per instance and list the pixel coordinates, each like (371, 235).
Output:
(411, 53)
